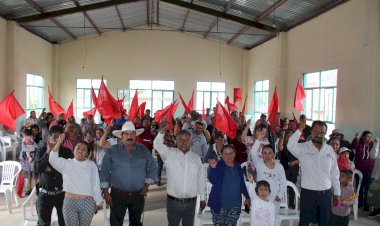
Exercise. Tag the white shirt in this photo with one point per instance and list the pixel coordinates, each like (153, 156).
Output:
(79, 177)
(185, 174)
(262, 212)
(275, 177)
(319, 168)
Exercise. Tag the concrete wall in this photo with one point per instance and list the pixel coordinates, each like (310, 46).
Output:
(161, 55)
(346, 38)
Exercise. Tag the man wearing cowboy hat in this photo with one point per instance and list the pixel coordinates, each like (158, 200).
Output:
(128, 168)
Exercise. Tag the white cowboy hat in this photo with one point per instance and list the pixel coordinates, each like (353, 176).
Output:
(128, 126)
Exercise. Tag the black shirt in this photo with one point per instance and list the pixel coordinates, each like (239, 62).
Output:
(50, 181)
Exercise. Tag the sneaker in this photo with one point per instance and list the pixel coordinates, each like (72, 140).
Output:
(375, 213)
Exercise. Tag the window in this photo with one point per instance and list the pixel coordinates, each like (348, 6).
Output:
(35, 90)
(156, 94)
(84, 94)
(320, 101)
(209, 93)
(260, 98)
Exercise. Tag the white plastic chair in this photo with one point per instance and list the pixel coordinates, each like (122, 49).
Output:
(10, 170)
(205, 217)
(355, 206)
(244, 216)
(285, 213)
(6, 145)
(31, 219)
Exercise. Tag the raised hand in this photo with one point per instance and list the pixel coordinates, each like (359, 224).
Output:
(376, 140)
(163, 126)
(249, 122)
(250, 177)
(212, 163)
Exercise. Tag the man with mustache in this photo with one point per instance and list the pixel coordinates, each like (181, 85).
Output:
(186, 178)
(320, 173)
(128, 168)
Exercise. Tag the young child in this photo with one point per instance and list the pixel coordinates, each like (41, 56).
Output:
(340, 214)
(27, 144)
(262, 209)
(344, 162)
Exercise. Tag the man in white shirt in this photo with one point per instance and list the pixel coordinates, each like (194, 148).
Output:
(320, 173)
(185, 175)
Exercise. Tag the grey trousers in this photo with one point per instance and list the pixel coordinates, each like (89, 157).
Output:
(78, 212)
(178, 211)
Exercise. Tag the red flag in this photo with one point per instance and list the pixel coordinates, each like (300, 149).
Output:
(170, 114)
(70, 111)
(106, 104)
(224, 122)
(187, 109)
(158, 115)
(134, 109)
(243, 109)
(94, 98)
(20, 185)
(10, 110)
(273, 108)
(54, 107)
(90, 112)
(230, 106)
(203, 110)
(298, 97)
(190, 105)
(237, 95)
(142, 109)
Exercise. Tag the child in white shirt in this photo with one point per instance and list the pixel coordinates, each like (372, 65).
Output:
(262, 209)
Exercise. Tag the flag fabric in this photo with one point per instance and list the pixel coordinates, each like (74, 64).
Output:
(170, 114)
(187, 109)
(190, 104)
(20, 185)
(298, 97)
(70, 111)
(142, 109)
(230, 106)
(158, 115)
(54, 107)
(10, 110)
(237, 95)
(94, 98)
(134, 109)
(243, 109)
(106, 104)
(273, 108)
(224, 122)
(90, 112)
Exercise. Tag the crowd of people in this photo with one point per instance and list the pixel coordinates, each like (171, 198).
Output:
(76, 166)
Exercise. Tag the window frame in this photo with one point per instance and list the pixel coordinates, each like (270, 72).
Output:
(210, 92)
(261, 93)
(41, 89)
(96, 89)
(320, 87)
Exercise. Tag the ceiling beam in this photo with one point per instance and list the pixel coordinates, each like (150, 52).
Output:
(262, 16)
(57, 13)
(226, 8)
(92, 23)
(186, 16)
(222, 15)
(88, 18)
(120, 18)
(40, 9)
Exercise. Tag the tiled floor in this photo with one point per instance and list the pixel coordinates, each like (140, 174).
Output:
(154, 214)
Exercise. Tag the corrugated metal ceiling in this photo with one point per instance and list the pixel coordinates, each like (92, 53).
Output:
(194, 16)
